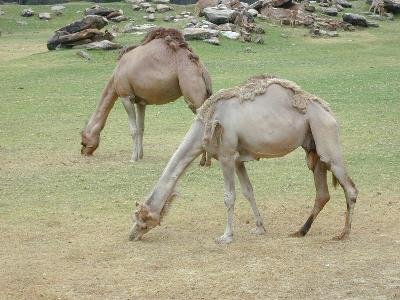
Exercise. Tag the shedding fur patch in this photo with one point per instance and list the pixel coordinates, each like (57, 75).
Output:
(256, 86)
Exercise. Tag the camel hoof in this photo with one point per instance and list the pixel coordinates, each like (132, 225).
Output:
(258, 230)
(341, 237)
(224, 240)
(297, 234)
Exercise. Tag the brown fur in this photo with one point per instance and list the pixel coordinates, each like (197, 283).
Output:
(173, 37)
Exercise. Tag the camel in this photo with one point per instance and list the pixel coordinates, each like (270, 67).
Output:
(265, 117)
(378, 5)
(158, 71)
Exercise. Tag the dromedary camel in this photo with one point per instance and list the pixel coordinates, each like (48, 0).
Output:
(265, 117)
(159, 71)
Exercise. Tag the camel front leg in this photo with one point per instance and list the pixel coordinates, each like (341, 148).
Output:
(228, 170)
(130, 110)
(140, 113)
(247, 190)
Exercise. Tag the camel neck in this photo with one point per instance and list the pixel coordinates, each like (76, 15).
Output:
(188, 150)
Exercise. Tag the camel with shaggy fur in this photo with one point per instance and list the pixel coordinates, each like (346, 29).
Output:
(266, 117)
(160, 70)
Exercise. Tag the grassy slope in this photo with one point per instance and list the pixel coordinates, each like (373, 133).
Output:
(45, 98)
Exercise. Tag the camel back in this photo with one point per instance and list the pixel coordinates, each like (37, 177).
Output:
(256, 86)
(175, 40)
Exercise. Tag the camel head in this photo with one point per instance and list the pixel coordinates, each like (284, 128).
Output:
(89, 143)
(144, 220)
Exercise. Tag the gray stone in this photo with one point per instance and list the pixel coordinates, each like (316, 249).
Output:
(1, 12)
(28, 12)
(150, 10)
(332, 33)
(44, 16)
(134, 2)
(253, 12)
(135, 7)
(58, 10)
(131, 27)
(225, 27)
(161, 1)
(162, 8)
(199, 33)
(145, 5)
(330, 11)
(169, 18)
(151, 18)
(344, 3)
(119, 19)
(213, 41)
(339, 7)
(355, 19)
(231, 34)
(308, 7)
(102, 45)
(84, 54)
(219, 16)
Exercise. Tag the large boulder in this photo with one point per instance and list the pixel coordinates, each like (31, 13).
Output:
(162, 8)
(219, 15)
(355, 19)
(392, 6)
(94, 22)
(65, 40)
(199, 33)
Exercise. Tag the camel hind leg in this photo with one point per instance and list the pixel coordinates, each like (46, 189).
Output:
(322, 193)
(325, 132)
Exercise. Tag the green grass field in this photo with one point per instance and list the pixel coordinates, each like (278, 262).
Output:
(65, 219)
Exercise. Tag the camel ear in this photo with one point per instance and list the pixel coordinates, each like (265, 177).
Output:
(216, 133)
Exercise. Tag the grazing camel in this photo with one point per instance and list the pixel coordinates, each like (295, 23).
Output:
(159, 71)
(264, 118)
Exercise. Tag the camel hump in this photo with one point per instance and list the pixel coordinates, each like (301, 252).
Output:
(173, 37)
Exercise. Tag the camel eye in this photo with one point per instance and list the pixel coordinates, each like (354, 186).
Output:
(83, 144)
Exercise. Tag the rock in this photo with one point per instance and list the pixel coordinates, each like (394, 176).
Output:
(58, 10)
(355, 19)
(282, 3)
(94, 22)
(219, 16)
(199, 33)
(101, 11)
(44, 16)
(151, 18)
(213, 41)
(390, 16)
(253, 12)
(135, 7)
(150, 10)
(392, 6)
(169, 18)
(145, 5)
(134, 2)
(308, 7)
(231, 34)
(28, 12)
(1, 12)
(102, 45)
(119, 19)
(131, 27)
(161, 1)
(332, 33)
(162, 8)
(63, 39)
(83, 54)
(344, 3)
(370, 24)
(225, 27)
(330, 11)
